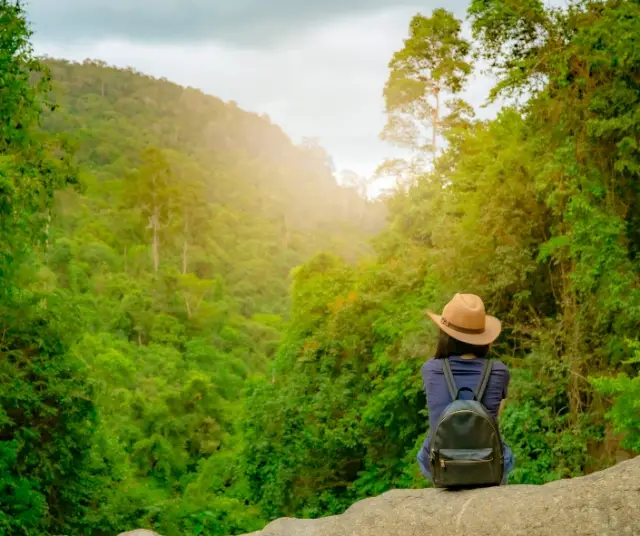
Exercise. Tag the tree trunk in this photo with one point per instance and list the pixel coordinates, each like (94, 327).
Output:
(436, 120)
(185, 246)
(46, 232)
(154, 223)
(572, 339)
(156, 239)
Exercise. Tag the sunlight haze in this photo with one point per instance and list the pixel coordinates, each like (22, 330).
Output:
(317, 70)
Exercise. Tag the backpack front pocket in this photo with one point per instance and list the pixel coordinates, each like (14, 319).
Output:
(464, 467)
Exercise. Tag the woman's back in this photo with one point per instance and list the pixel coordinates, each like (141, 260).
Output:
(467, 373)
(464, 330)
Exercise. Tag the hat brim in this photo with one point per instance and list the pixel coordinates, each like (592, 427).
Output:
(492, 329)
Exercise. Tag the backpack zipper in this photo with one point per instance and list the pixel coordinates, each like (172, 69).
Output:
(468, 411)
(443, 463)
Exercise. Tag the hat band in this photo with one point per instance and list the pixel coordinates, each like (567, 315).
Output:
(469, 331)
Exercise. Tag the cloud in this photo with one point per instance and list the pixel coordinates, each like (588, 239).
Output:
(326, 85)
(243, 23)
(325, 82)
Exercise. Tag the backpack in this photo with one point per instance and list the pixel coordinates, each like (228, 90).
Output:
(466, 446)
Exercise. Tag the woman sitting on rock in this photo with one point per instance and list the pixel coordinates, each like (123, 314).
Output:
(466, 393)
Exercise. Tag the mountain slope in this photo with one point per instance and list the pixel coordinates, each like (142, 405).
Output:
(279, 200)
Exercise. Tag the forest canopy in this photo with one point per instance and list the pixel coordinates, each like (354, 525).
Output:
(203, 330)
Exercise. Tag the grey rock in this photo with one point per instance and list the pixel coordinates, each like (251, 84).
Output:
(599, 504)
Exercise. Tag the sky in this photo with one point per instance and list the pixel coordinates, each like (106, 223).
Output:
(316, 67)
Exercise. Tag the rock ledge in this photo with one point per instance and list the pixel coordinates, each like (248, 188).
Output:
(600, 504)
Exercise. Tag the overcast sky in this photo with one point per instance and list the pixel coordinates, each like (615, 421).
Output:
(317, 67)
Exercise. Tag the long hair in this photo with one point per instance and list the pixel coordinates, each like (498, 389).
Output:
(448, 346)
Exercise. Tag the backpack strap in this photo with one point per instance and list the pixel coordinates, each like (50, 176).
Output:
(484, 380)
(450, 380)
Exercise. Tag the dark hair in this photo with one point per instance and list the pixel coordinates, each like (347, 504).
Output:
(448, 346)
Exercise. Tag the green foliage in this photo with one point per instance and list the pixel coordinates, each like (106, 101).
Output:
(625, 411)
(340, 413)
(546, 443)
(177, 352)
(173, 257)
(135, 307)
(50, 479)
(47, 417)
(534, 210)
(32, 165)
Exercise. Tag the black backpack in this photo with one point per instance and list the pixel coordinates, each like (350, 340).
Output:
(466, 446)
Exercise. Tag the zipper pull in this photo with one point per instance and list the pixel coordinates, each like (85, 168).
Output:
(442, 463)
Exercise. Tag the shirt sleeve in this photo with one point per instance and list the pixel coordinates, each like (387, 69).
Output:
(505, 385)
(424, 372)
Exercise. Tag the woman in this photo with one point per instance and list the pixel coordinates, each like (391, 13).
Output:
(466, 332)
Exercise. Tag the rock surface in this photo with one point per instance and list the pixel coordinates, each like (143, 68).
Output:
(603, 503)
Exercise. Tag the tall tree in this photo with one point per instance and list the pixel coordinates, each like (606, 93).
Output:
(153, 192)
(432, 64)
(194, 212)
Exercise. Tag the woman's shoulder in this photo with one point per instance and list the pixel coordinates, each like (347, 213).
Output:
(432, 365)
(499, 365)
(501, 371)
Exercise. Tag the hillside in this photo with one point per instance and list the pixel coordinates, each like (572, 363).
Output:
(272, 203)
(176, 250)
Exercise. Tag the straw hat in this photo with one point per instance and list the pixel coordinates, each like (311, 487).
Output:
(464, 318)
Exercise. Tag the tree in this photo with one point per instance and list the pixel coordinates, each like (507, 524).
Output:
(578, 65)
(153, 191)
(194, 212)
(32, 166)
(50, 476)
(432, 64)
